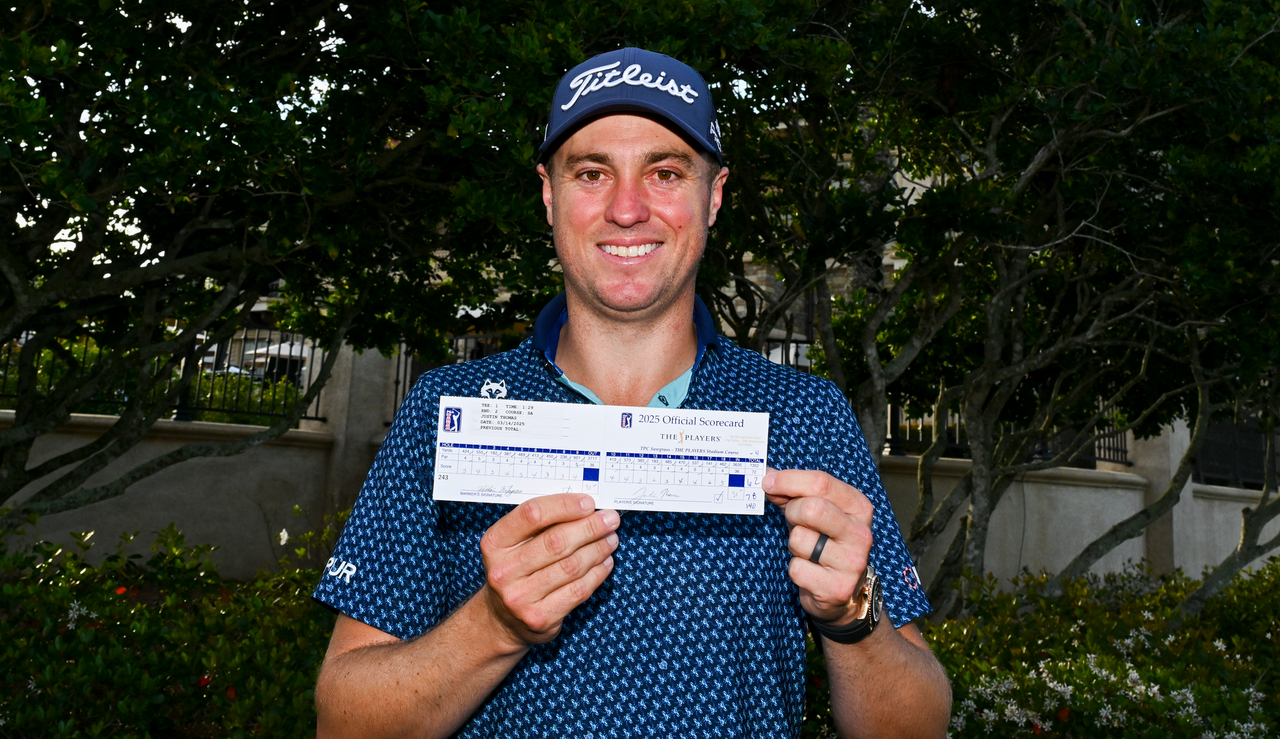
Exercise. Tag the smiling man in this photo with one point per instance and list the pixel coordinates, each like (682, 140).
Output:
(553, 618)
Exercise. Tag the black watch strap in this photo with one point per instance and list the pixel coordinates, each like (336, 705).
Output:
(858, 629)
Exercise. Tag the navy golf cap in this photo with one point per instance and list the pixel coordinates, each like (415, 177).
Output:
(638, 81)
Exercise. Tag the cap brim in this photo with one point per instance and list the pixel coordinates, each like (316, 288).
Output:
(591, 113)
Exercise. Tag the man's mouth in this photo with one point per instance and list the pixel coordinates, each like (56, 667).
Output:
(638, 250)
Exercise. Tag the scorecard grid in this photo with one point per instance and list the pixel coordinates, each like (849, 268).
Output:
(537, 463)
(492, 460)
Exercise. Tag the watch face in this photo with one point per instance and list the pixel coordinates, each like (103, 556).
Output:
(877, 603)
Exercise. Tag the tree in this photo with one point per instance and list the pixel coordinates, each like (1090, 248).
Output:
(1055, 142)
(166, 166)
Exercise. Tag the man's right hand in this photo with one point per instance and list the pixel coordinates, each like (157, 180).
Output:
(544, 559)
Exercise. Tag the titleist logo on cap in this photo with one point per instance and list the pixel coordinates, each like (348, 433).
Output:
(599, 78)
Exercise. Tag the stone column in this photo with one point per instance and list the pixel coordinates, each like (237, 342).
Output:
(355, 405)
(1157, 460)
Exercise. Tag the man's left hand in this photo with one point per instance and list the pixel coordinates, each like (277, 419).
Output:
(816, 503)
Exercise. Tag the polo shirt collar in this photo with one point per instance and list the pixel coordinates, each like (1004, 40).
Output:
(546, 330)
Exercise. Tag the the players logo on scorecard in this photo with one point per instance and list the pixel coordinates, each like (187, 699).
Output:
(626, 420)
(452, 420)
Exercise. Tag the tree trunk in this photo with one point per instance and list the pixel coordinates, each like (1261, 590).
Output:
(830, 348)
(1137, 523)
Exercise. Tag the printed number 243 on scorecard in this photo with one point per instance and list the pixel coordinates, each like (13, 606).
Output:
(628, 458)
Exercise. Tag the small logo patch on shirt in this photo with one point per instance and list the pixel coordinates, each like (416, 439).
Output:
(911, 577)
(491, 389)
(341, 570)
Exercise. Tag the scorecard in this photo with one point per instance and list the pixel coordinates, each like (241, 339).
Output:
(628, 458)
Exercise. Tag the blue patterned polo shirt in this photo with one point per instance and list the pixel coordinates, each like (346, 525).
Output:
(697, 632)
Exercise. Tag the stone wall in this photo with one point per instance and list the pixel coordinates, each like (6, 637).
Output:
(240, 503)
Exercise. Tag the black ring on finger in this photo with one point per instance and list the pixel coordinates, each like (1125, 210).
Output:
(817, 548)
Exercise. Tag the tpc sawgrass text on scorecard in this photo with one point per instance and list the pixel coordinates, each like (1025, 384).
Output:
(627, 458)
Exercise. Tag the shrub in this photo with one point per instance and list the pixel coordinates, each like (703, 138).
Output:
(167, 648)
(1102, 661)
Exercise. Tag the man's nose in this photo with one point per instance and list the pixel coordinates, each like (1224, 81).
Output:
(629, 204)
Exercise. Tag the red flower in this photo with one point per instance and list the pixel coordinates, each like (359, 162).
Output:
(231, 692)
(120, 590)
(203, 681)
(1036, 728)
(1063, 714)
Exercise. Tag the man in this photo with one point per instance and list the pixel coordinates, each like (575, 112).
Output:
(554, 619)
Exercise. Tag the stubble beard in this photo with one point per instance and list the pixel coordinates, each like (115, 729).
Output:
(593, 298)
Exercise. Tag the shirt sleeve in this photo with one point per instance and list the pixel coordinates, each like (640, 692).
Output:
(848, 459)
(389, 567)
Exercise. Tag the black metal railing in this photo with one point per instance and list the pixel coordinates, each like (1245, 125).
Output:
(1113, 448)
(1233, 456)
(788, 352)
(464, 348)
(257, 375)
(915, 435)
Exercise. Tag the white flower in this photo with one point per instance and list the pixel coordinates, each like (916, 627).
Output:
(284, 536)
(1255, 700)
(75, 613)
(1061, 689)
(1147, 615)
(1092, 661)
(1219, 645)
(1019, 716)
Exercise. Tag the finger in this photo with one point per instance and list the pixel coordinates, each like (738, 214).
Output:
(783, 486)
(828, 593)
(509, 566)
(822, 516)
(536, 514)
(541, 584)
(573, 594)
(836, 555)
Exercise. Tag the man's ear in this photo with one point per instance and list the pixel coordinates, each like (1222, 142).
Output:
(717, 195)
(546, 192)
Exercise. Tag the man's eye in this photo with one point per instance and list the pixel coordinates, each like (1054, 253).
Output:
(592, 176)
(666, 175)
